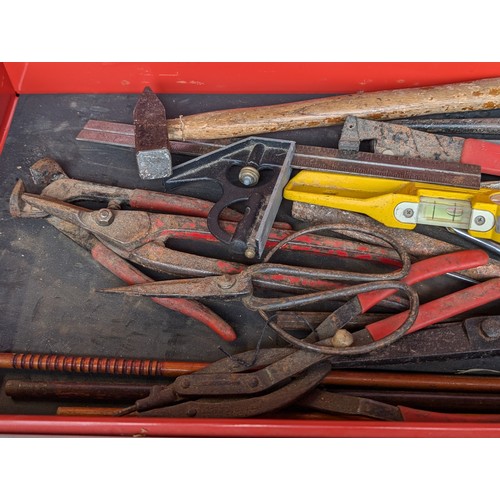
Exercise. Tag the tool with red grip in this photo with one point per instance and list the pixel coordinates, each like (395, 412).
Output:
(343, 404)
(361, 298)
(131, 275)
(441, 309)
(399, 140)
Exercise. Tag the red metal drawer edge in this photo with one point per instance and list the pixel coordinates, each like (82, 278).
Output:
(137, 427)
(108, 426)
(8, 101)
(238, 77)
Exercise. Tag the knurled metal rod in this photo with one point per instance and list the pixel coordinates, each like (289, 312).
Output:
(158, 368)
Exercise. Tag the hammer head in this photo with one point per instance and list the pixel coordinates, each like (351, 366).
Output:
(151, 137)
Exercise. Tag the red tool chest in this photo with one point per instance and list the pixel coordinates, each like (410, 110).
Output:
(23, 79)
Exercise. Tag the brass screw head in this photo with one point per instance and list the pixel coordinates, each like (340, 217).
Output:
(249, 176)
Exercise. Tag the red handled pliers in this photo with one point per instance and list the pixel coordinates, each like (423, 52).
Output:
(140, 237)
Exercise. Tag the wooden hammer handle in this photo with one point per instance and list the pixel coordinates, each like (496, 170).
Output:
(380, 105)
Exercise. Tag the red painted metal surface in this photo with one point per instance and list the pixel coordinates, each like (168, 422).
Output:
(482, 153)
(154, 427)
(8, 101)
(234, 77)
(268, 78)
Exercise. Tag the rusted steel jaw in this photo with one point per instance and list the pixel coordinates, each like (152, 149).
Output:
(222, 390)
(244, 407)
(398, 140)
(57, 185)
(232, 388)
(284, 375)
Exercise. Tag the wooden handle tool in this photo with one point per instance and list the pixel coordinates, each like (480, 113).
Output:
(326, 111)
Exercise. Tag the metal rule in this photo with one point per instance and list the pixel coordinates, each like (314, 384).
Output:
(315, 158)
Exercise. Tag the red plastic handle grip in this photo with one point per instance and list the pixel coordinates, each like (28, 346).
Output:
(429, 268)
(132, 276)
(414, 415)
(440, 309)
(184, 205)
(482, 153)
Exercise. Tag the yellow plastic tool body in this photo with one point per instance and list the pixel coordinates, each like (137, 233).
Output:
(401, 204)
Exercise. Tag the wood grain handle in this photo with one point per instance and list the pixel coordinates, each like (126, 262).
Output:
(380, 105)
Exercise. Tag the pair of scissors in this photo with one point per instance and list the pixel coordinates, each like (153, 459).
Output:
(372, 288)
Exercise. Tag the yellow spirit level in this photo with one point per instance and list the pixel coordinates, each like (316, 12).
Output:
(401, 204)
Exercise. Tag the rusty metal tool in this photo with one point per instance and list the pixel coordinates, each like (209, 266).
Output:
(141, 236)
(318, 159)
(321, 112)
(358, 407)
(227, 389)
(475, 337)
(254, 171)
(245, 400)
(47, 173)
(372, 336)
(241, 286)
(125, 271)
(306, 321)
(110, 392)
(460, 338)
(440, 402)
(416, 244)
(251, 384)
(387, 330)
(151, 137)
(343, 404)
(435, 311)
(463, 127)
(399, 140)
(459, 402)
